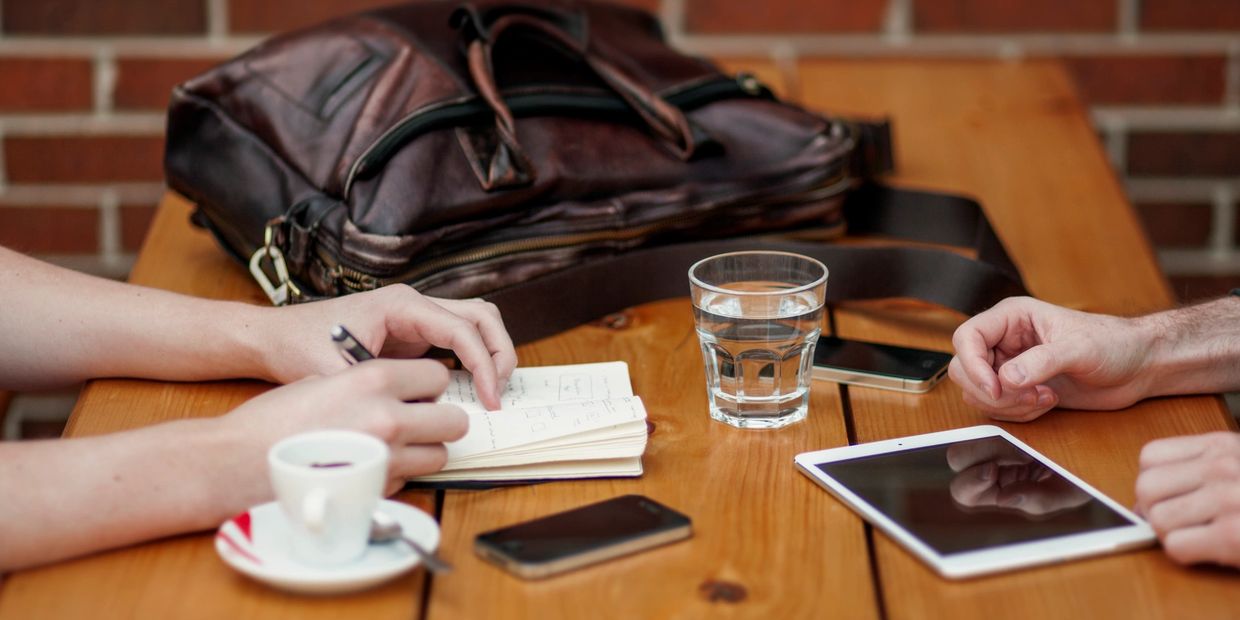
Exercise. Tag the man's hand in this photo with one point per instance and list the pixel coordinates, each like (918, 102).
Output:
(1189, 490)
(1024, 357)
(372, 398)
(394, 321)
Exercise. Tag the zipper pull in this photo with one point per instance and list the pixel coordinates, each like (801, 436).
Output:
(750, 84)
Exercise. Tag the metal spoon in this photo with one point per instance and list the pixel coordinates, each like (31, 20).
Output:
(383, 528)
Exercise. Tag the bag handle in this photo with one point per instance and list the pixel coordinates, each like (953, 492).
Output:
(665, 120)
(552, 303)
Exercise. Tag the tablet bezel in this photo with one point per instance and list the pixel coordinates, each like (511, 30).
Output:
(989, 560)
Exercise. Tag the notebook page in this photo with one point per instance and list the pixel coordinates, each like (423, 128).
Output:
(497, 430)
(545, 385)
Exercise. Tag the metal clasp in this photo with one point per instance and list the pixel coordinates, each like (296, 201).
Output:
(285, 291)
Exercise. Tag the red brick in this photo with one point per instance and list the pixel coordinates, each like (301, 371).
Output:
(1149, 79)
(1176, 225)
(263, 16)
(1198, 288)
(1194, 15)
(135, 221)
(281, 15)
(50, 230)
(146, 83)
(45, 84)
(1178, 153)
(76, 17)
(83, 159)
(784, 16)
(1014, 15)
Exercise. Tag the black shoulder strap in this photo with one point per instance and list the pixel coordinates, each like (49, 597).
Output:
(557, 301)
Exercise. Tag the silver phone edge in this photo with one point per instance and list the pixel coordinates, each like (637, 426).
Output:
(882, 382)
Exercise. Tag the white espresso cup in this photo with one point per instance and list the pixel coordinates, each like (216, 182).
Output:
(328, 483)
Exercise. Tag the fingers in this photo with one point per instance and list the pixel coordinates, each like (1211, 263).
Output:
(1176, 449)
(417, 460)
(1012, 406)
(1168, 481)
(429, 423)
(1198, 507)
(974, 341)
(1039, 364)
(1218, 542)
(490, 324)
(425, 320)
(402, 380)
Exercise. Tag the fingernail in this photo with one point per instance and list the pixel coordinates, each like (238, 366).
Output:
(1015, 374)
(1013, 501)
(1045, 400)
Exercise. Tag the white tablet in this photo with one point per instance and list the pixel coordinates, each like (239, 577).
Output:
(975, 500)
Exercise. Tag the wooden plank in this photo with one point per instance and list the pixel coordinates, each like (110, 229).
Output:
(182, 577)
(761, 530)
(1012, 135)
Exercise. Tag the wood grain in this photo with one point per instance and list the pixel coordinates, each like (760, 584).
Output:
(1015, 140)
(761, 529)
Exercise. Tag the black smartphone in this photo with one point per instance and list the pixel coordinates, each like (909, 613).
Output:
(884, 366)
(583, 536)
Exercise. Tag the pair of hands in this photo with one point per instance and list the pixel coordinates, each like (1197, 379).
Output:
(1024, 357)
(391, 399)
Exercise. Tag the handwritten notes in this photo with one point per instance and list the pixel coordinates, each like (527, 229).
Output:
(545, 385)
(573, 421)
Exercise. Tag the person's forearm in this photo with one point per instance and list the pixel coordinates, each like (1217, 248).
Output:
(65, 498)
(60, 327)
(1194, 349)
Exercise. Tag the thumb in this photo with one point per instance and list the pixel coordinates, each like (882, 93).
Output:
(1038, 364)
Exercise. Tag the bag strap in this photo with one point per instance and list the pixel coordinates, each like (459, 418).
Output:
(557, 301)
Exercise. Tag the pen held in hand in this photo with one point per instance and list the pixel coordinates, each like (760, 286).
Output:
(352, 350)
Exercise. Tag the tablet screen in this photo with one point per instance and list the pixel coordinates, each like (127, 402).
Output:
(971, 495)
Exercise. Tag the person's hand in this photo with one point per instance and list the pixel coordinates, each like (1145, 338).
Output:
(370, 398)
(996, 473)
(394, 321)
(1024, 357)
(1189, 491)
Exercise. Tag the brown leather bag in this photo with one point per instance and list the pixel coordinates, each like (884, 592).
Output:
(557, 158)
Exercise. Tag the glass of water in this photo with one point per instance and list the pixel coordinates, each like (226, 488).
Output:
(758, 316)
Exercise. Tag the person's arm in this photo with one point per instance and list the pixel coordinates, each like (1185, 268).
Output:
(64, 498)
(60, 327)
(1024, 357)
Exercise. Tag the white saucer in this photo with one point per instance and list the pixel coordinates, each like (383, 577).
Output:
(256, 543)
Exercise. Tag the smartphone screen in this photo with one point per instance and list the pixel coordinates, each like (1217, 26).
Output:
(583, 536)
(914, 366)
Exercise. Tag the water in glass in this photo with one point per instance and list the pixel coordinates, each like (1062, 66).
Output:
(758, 354)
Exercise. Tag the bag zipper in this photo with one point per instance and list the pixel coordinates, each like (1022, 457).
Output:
(356, 280)
(471, 110)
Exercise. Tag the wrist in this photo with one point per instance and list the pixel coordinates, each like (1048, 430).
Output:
(1192, 350)
(249, 337)
(237, 466)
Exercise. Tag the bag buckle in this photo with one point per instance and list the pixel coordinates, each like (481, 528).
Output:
(285, 291)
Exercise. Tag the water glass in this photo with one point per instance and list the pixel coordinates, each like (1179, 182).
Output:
(758, 316)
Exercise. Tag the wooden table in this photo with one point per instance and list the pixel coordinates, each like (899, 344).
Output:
(768, 542)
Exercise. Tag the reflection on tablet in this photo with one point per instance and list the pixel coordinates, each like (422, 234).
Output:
(972, 495)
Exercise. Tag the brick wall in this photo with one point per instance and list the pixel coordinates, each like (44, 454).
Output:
(85, 82)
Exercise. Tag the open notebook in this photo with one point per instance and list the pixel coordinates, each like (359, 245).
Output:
(576, 421)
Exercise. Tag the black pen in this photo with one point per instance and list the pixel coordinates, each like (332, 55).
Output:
(352, 350)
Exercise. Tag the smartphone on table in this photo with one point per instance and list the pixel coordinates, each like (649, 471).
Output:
(904, 369)
(575, 538)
